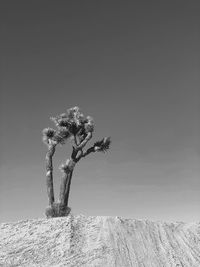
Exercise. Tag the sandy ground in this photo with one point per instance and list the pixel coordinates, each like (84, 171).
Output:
(99, 241)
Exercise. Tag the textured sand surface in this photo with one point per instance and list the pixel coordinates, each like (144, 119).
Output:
(99, 241)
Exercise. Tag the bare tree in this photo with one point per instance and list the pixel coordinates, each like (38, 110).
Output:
(77, 128)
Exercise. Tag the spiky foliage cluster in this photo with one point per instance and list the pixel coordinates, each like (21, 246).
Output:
(51, 136)
(67, 166)
(70, 124)
(64, 168)
(48, 135)
(102, 145)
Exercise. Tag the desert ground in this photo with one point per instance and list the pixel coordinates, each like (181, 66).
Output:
(99, 241)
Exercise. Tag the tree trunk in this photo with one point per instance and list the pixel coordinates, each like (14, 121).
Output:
(67, 190)
(63, 185)
(49, 174)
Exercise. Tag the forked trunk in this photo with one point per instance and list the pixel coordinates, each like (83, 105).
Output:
(61, 208)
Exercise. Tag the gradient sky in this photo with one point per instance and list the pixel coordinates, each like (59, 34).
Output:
(134, 67)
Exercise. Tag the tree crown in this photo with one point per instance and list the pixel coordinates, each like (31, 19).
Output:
(74, 125)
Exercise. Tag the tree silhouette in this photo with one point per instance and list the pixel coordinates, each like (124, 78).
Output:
(78, 129)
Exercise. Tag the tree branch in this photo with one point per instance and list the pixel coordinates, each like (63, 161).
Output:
(85, 153)
(99, 146)
(75, 140)
(74, 153)
(84, 142)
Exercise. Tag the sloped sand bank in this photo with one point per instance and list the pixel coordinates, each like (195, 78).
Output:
(99, 241)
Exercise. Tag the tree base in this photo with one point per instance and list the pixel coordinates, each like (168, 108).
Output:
(57, 210)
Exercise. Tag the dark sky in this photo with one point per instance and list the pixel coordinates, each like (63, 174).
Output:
(134, 67)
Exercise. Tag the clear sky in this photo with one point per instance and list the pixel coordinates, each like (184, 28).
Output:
(134, 67)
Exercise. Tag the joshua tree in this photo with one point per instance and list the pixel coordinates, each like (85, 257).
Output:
(77, 128)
